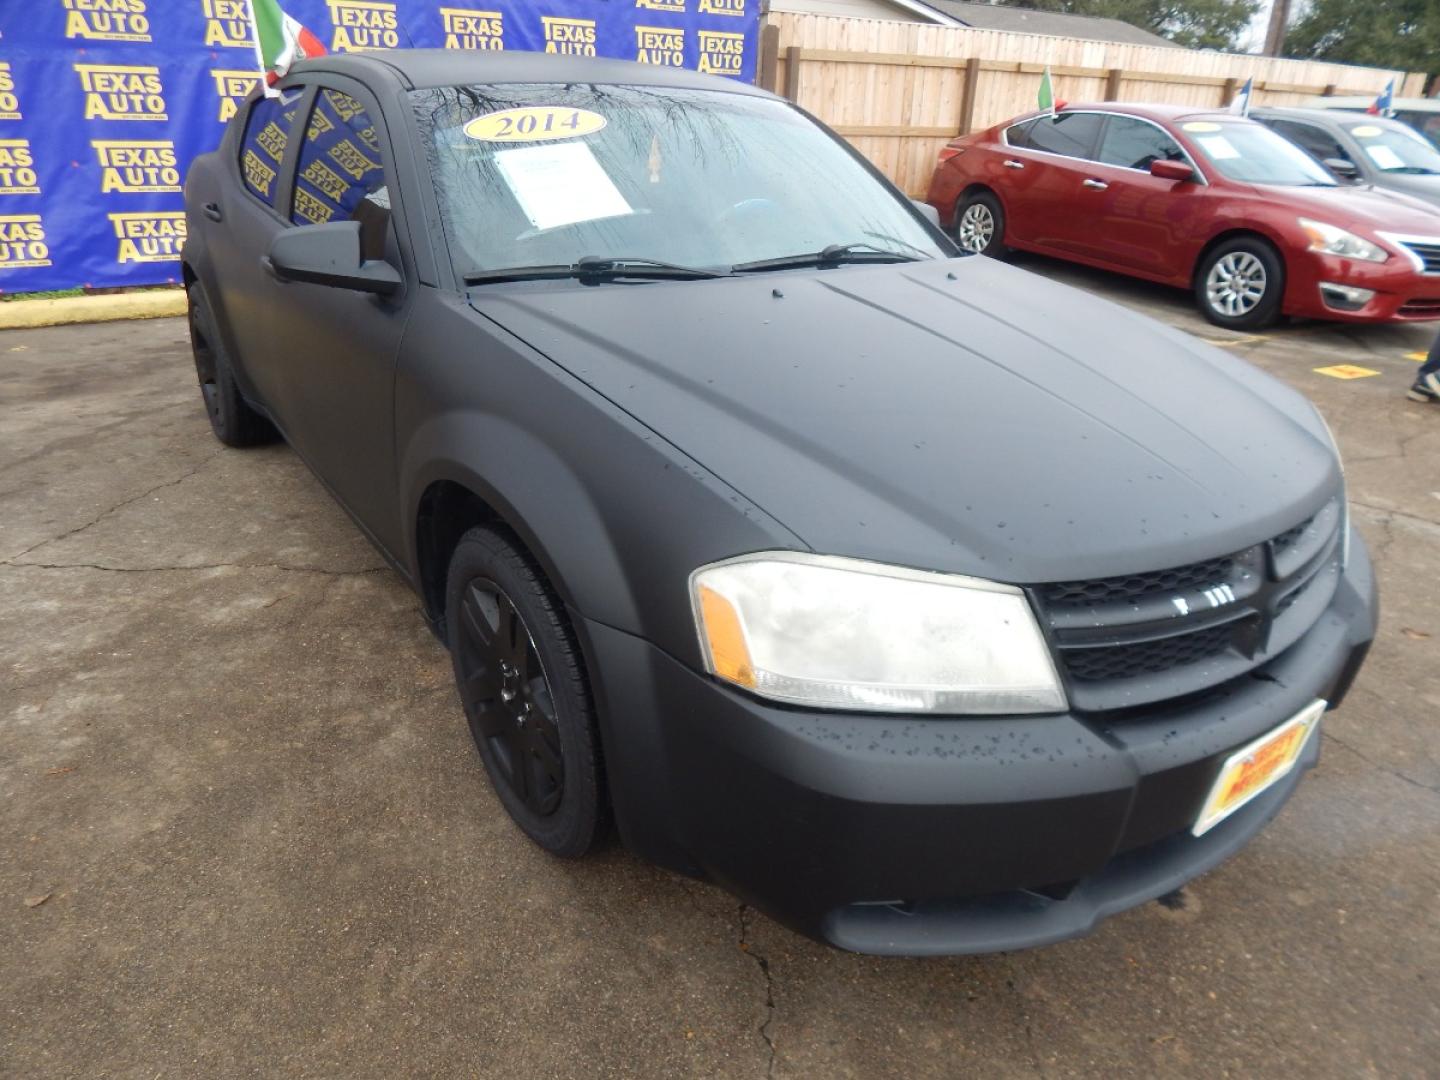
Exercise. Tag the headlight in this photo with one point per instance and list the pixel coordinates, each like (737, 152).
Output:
(847, 634)
(1336, 241)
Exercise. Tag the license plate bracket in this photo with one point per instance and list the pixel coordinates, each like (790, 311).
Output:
(1257, 766)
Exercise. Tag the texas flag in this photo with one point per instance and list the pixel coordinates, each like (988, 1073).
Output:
(1241, 103)
(1384, 104)
(279, 41)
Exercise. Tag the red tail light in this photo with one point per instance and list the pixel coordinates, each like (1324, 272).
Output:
(948, 152)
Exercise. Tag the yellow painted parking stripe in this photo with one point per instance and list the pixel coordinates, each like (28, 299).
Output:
(1418, 357)
(1346, 371)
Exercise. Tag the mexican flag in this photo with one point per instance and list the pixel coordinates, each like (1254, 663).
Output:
(1047, 93)
(279, 41)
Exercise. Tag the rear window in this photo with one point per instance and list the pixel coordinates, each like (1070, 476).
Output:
(1070, 134)
(262, 149)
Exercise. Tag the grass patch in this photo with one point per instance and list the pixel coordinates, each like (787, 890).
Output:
(53, 294)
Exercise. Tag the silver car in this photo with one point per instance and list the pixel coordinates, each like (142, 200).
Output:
(1422, 114)
(1361, 149)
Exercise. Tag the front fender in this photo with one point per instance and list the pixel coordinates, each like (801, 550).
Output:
(616, 516)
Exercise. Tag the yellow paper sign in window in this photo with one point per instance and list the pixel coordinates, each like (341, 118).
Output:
(534, 123)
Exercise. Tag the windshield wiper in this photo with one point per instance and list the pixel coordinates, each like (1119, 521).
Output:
(594, 268)
(833, 255)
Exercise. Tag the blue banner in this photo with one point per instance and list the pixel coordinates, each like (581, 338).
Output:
(103, 103)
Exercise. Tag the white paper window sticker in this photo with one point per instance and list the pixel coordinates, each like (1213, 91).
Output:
(560, 184)
(1384, 157)
(1218, 147)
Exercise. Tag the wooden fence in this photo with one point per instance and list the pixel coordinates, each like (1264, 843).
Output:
(897, 91)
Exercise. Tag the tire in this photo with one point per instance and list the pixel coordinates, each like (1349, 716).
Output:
(1239, 284)
(522, 683)
(233, 421)
(980, 224)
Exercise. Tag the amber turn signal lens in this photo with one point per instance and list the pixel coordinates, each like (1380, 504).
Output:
(729, 655)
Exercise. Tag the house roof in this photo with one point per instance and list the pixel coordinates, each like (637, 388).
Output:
(1054, 23)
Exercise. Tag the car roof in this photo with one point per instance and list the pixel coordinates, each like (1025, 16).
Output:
(1412, 104)
(426, 68)
(1328, 117)
(1158, 113)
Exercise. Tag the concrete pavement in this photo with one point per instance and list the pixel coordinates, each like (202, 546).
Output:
(243, 829)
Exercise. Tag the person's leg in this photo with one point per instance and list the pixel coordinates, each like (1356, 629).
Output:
(1427, 379)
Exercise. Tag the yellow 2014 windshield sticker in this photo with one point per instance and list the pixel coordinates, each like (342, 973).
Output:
(534, 123)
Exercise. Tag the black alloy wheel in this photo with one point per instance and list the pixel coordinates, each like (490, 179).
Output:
(205, 366)
(521, 679)
(232, 420)
(507, 698)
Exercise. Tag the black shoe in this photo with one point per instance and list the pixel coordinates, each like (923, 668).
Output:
(1426, 388)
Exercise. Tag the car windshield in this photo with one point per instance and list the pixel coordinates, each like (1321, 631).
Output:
(1253, 154)
(535, 175)
(1395, 148)
(1426, 123)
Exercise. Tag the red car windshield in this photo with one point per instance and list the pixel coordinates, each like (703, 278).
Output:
(1253, 154)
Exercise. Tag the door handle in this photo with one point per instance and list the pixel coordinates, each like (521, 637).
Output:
(1097, 185)
(212, 211)
(1011, 163)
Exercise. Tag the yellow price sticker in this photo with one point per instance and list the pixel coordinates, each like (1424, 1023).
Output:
(1367, 131)
(534, 123)
(1201, 125)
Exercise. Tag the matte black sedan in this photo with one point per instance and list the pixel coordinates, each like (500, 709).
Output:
(925, 604)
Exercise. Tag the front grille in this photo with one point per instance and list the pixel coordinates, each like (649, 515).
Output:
(1428, 252)
(1421, 308)
(1135, 639)
(1138, 586)
(1286, 540)
(1148, 657)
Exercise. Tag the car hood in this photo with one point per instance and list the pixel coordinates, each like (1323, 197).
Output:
(1425, 188)
(960, 415)
(1374, 208)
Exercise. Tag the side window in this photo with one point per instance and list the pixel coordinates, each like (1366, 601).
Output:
(1317, 142)
(1134, 144)
(1071, 134)
(1019, 135)
(267, 133)
(341, 175)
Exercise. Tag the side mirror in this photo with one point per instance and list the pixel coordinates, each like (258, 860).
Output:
(1171, 170)
(1341, 169)
(928, 212)
(329, 254)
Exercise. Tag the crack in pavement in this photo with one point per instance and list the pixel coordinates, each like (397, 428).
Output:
(117, 507)
(1389, 513)
(764, 964)
(1434, 789)
(203, 566)
(1035, 1061)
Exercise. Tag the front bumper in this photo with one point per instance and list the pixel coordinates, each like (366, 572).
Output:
(1402, 293)
(915, 836)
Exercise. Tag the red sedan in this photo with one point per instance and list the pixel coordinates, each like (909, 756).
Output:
(1208, 201)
